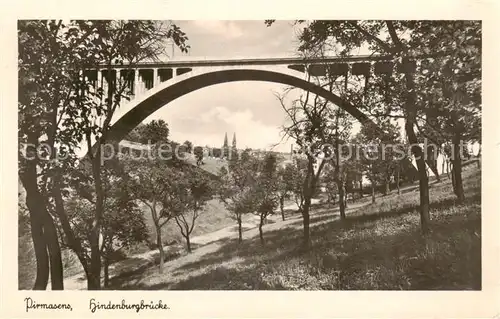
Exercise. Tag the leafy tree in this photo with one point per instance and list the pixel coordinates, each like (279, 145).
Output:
(299, 173)
(265, 191)
(198, 153)
(450, 88)
(189, 146)
(385, 153)
(40, 92)
(193, 190)
(123, 223)
(156, 186)
(75, 111)
(123, 226)
(313, 122)
(351, 174)
(236, 187)
(403, 40)
(340, 128)
(233, 157)
(217, 152)
(402, 151)
(154, 132)
(331, 184)
(370, 152)
(137, 41)
(284, 185)
(355, 169)
(136, 134)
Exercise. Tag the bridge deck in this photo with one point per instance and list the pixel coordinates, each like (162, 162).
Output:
(259, 61)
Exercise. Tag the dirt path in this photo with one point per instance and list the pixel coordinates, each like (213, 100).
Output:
(232, 231)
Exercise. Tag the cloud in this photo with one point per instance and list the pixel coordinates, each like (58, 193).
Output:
(227, 29)
(226, 38)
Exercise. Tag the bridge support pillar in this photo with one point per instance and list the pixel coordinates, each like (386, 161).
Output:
(99, 79)
(136, 82)
(155, 77)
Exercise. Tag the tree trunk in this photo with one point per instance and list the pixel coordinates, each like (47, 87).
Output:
(56, 268)
(479, 157)
(432, 164)
(306, 244)
(373, 192)
(261, 234)
(410, 119)
(397, 180)
(341, 200)
(282, 205)
(106, 272)
(422, 177)
(442, 165)
(188, 242)
(387, 189)
(424, 196)
(240, 232)
(457, 168)
(361, 188)
(159, 244)
(453, 179)
(73, 242)
(159, 241)
(94, 280)
(346, 197)
(43, 232)
(42, 257)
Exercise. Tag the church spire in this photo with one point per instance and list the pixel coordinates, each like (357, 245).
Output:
(234, 140)
(225, 142)
(225, 148)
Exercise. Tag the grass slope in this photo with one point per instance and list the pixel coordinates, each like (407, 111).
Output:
(214, 217)
(378, 247)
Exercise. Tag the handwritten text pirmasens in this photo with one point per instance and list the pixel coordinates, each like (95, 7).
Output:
(31, 304)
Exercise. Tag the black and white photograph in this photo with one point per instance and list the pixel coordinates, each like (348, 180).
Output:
(239, 163)
(249, 154)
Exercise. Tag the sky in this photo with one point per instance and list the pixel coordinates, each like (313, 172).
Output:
(248, 109)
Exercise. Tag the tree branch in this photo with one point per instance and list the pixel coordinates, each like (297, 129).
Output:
(384, 46)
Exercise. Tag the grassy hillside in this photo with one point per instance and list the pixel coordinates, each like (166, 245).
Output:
(378, 247)
(211, 165)
(214, 217)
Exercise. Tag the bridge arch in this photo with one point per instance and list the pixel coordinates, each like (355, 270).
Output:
(140, 109)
